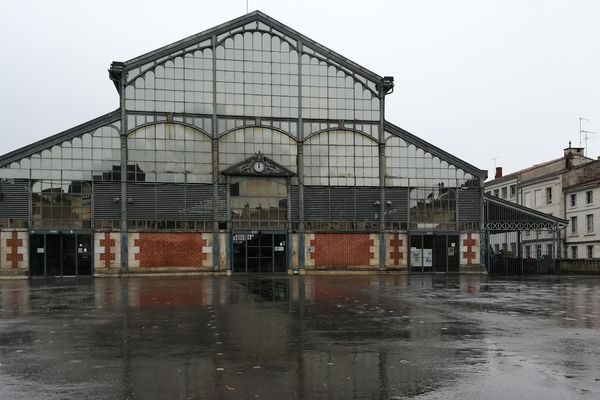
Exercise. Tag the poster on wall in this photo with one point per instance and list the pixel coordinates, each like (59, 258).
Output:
(427, 257)
(416, 257)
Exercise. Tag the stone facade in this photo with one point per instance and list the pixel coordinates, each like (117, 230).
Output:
(107, 252)
(14, 252)
(470, 246)
(396, 251)
(293, 247)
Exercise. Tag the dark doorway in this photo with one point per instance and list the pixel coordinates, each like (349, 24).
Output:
(434, 253)
(60, 254)
(260, 252)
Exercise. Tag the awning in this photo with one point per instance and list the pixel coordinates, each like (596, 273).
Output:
(502, 215)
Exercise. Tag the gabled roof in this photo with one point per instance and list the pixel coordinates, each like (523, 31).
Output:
(239, 22)
(436, 151)
(534, 167)
(60, 137)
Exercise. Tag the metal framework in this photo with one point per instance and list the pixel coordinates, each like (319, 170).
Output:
(509, 224)
(502, 215)
(124, 73)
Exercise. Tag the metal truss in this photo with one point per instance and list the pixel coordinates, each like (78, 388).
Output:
(519, 226)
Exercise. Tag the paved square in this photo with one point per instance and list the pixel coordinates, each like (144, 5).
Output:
(315, 337)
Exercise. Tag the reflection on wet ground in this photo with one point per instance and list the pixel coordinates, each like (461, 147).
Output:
(325, 337)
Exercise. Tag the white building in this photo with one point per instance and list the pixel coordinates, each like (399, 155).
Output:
(581, 186)
(540, 187)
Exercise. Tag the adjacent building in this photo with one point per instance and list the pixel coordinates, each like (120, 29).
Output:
(553, 188)
(581, 187)
(246, 148)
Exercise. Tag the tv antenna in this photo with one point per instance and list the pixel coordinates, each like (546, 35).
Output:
(586, 137)
(580, 129)
(494, 160)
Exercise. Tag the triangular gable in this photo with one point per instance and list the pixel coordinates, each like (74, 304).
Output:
(113, 117)
(258, 165)
(436, 151)
(138, 64)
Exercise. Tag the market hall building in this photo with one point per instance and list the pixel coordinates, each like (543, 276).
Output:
(247, 148)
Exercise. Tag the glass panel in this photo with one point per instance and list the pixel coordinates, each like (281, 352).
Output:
(257, 199)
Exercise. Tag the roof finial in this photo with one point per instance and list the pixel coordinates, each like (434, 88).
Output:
(569, 144)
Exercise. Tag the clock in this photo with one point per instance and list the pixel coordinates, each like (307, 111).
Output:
(258, 166)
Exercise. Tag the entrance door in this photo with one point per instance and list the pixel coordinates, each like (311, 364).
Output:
(259, 253)
(53, 255)
(84, 256)
(37, 265)
(60, 254)
(440, 249)
(434, 253)
(453, 253)
(69, 255)
(421, 253)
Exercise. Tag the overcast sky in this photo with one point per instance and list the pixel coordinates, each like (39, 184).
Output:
(479, 78)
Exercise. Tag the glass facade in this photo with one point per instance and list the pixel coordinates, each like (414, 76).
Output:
(192, 112)
(341, 158)
(254, 73)
(181, 84)
(257, 202)
(60, 179)
(432, 183)
(169, 153)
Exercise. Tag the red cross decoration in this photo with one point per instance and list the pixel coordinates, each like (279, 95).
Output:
(107, 257)
(469, 254)
(396, 244)
(14, 243)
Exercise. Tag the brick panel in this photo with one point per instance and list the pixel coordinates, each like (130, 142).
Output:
(340, 249)
(170, 250)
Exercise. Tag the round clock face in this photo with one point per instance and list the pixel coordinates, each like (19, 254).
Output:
(259, 166)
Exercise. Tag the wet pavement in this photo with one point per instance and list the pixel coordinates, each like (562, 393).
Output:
(322, 337)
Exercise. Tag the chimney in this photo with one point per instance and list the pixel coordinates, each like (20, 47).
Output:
(573, 150)
(498, 173)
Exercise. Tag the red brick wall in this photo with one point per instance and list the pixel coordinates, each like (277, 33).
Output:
(340, 249)
(170, 250)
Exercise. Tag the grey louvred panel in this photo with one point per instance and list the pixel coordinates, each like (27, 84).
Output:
(397, 211)
(14, 199)
(366, 208)
(341, 204)
(222, 202)
(469, 205)
(295, 195)
(335, 203)
(107, 200)
(316, 203)
(199, 202)
(141, 200)
(170, 199)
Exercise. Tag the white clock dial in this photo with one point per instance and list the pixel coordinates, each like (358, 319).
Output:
(259, 166)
